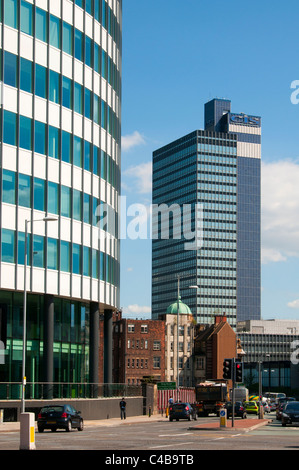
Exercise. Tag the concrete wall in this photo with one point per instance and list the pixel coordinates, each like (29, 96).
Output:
(101, 408)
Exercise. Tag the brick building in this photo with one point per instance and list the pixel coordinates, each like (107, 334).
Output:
(213, 344)
(138, 350)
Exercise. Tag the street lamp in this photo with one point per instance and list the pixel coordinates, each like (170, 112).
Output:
(44, 219)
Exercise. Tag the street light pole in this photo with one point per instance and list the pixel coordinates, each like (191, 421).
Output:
(178, 355)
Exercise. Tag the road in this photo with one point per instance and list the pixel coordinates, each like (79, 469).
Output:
(160, 436)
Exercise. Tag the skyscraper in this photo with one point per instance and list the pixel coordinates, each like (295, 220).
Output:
(60, 157)
(215, 175)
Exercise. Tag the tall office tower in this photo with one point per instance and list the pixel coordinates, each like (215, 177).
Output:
(60, 159)
(215, 175)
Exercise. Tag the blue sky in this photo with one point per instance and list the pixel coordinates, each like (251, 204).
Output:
(177, 55)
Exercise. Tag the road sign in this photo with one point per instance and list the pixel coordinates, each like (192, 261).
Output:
(166, 385)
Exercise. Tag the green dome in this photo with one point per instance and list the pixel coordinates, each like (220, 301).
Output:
(183, 308)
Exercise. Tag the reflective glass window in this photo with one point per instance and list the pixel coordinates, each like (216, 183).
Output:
(21, 248)
(79, 43)
(54, 36)
(9, 186)
(26, 75)
(86, 208)
(67, 38)
(78, 151)
(40, 137)
(41, 25)
(65, 256)
(77, 204)
(86, 261)
(8, 246)
(65, 204)
(53, 149)
(10, 69)
(66, 146)
(11, 16)
(39, 194)
(76, 258)
(25, 133)
(38, 251)
(40, 81)
(10, 128)
(54, 87)
(53, 197)
(24, 190)
(52, 254)
(26, 17)
(78, 98)
(67, 92)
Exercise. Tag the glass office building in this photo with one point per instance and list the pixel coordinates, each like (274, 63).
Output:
(60, 158)
(214, 175)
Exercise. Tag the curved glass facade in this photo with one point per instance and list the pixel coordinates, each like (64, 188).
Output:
(60, 157)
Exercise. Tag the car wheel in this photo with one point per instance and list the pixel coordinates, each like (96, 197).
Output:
(80, 428)
(283, 424)
(69, 426)
(40, 429)
(53, 429)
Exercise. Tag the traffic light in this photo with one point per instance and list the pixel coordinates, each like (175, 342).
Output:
(238, 372)
(227, 369)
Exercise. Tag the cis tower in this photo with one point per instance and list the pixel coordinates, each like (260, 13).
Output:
(219, 170)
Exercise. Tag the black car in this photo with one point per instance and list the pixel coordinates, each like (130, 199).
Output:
(59, 417)
(290, 413)
(281, 404)
(240, 409)
(181, 411)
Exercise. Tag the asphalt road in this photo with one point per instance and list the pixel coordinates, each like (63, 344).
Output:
(159, 437)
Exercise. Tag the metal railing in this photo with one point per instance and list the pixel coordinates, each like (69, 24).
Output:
(61, 390)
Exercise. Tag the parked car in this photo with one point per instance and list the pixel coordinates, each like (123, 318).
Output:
(181, 411)
(251, 407)
(59, 417)
(290, 413)
(240, 409)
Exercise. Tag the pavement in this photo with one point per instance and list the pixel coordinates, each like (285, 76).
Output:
(239, 424)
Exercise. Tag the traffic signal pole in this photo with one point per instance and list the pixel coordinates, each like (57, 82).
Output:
(233, 391)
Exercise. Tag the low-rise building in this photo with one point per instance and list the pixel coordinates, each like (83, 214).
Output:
(138, 350)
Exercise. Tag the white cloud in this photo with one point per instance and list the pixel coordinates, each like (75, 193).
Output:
(135, 310)
(142, 176)
(280, 211)
(294, 304)
(132, 140)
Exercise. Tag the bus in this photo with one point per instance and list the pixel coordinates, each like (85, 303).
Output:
(273, 396)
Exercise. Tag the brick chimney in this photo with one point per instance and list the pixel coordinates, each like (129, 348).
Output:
(220, 318)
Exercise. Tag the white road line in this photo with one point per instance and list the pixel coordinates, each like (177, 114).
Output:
(171, 445)
(174, 435)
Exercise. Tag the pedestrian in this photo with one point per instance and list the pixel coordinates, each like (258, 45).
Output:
(122, 405)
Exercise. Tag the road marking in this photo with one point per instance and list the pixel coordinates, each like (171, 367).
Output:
(173, 435)
(171, 445)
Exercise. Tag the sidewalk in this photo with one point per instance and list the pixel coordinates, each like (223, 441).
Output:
(15, 425)
(240, 424)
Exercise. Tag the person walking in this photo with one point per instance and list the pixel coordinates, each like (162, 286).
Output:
(122, 405)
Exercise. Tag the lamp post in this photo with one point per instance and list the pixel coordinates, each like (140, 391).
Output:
(178, 343)
(44, 219)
